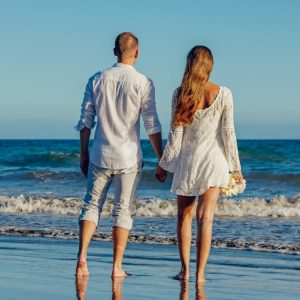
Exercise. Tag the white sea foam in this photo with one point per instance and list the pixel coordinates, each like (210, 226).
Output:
(280, 206)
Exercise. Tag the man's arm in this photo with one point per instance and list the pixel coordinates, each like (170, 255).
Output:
(156, 142)
(84, 150)
(152, 126)
(85, 124)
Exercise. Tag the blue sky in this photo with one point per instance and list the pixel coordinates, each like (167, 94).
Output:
(50, 48)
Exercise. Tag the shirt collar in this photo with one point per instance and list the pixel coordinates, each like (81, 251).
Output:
(123, 65)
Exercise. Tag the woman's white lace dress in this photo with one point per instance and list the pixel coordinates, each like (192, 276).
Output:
(202, 154)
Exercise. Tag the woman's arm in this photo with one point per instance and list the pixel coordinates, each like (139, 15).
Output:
(229, 137)
(171, 153)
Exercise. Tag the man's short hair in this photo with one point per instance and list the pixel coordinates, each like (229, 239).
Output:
(126, 44)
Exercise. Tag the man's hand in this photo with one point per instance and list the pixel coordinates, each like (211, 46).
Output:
(84, 164)
(161, 174)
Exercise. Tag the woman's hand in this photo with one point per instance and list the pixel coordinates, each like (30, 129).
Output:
(161, 174)
(238, 176)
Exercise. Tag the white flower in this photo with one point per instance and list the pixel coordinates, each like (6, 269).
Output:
(233, 187)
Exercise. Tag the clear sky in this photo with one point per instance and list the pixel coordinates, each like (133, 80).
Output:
(50, 48)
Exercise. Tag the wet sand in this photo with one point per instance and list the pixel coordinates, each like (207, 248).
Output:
(43, 268)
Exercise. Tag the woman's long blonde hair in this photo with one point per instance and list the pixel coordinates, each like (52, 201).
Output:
(197, 71)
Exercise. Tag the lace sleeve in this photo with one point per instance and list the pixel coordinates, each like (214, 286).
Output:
(228, 135)
(171, 153)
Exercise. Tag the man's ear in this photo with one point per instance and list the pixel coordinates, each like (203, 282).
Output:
(136, 54)
(115, 52)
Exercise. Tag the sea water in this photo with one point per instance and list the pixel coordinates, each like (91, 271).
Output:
(41, 192)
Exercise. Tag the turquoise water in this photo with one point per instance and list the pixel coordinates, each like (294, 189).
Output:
(50, 167)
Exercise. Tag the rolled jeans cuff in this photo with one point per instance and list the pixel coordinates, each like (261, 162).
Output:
(125, 222)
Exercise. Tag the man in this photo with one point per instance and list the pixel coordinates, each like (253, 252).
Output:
(116, 97)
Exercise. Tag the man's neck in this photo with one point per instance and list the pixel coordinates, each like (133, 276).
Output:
(126, 61)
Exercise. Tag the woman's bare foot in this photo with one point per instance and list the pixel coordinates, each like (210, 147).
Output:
(81, 268)
(184, 276)
(119, 272)
(200, 278)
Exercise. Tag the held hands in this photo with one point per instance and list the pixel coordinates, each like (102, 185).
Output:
(161, 174)
(84, 164)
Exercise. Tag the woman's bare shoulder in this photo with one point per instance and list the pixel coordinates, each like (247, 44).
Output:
(213, 86)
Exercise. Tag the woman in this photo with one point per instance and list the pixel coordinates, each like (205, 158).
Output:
(201, 152)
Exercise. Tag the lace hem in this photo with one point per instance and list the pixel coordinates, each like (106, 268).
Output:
(200, 190)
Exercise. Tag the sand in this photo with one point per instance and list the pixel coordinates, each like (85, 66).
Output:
(43, 268)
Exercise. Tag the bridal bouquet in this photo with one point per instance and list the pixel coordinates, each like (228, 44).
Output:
(233, 187)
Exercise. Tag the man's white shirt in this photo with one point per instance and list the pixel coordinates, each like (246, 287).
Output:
(117, 97)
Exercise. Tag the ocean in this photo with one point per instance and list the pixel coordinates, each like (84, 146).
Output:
(41, 192)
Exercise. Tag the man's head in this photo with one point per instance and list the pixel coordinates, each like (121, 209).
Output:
(126, 47)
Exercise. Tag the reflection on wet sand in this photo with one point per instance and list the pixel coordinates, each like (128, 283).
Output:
(184, 291)
(81, 284)
(117, 288)
(200, 291)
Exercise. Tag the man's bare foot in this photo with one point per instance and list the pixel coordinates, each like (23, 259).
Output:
(200, 278)
(81, 268)
(119, 272)
(184, 276)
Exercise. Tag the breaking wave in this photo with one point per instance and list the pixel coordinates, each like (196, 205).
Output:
(279, 206)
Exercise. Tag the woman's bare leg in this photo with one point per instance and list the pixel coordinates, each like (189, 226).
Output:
(186, 210)
(205, 216)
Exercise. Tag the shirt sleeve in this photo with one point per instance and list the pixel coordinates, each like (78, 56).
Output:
(229, 136)
(171, 154)
(148, 110)
(87, 116)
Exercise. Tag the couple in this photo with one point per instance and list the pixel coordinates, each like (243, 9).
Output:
(201, 150)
